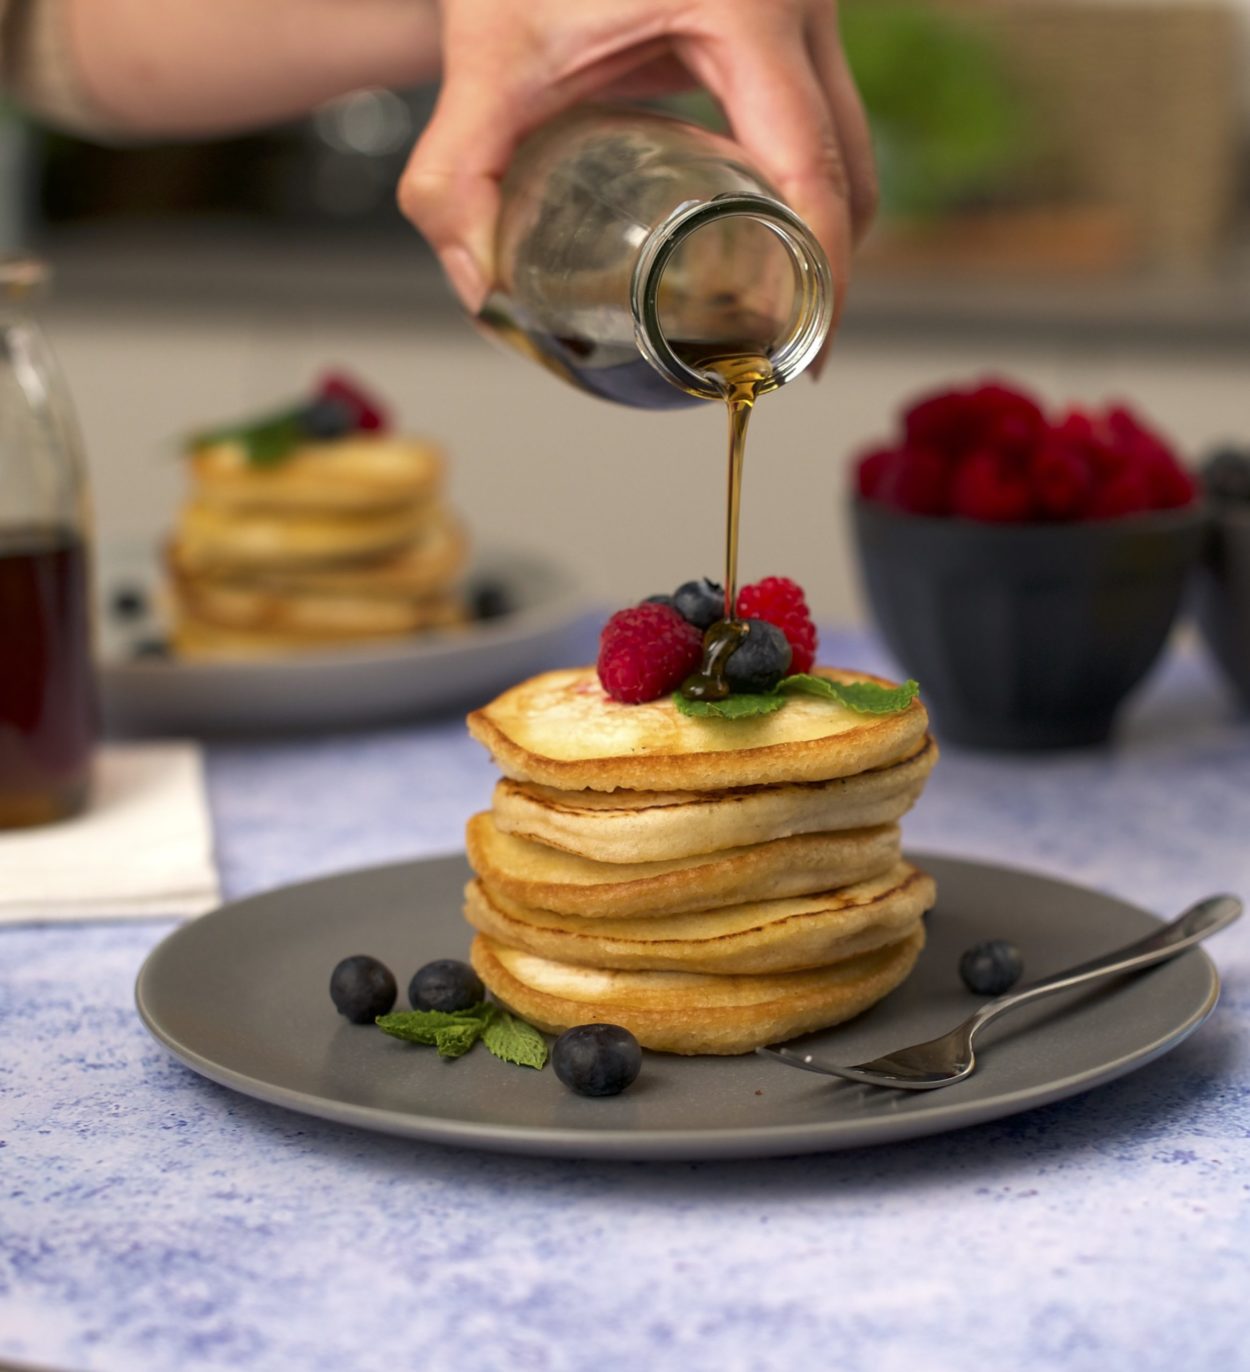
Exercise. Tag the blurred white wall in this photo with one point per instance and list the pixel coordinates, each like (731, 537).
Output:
(633, 501)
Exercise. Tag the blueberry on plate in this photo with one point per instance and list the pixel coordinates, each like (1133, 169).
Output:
(760, 661)
(596, 1059)
(362, 988)
(490, 600)
(445, 985)
(990, 968)
(148, 648)
(128, 603)
(700, 603)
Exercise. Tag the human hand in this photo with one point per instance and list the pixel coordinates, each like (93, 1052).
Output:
(776, 66)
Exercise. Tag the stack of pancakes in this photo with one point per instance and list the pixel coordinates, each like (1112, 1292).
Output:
(343, 541)
(711, 885)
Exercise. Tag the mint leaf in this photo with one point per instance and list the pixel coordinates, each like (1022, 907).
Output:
(424, 1026)
(265, 441)
(456, 1039)
(865, 697)
(513, 1040)
(732, 707)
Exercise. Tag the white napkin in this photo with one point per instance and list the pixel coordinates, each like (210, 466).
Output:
(143, 848)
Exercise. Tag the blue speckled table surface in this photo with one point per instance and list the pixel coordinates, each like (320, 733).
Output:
(152, 1220)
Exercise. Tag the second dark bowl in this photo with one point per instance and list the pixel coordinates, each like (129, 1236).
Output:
(1026, 635)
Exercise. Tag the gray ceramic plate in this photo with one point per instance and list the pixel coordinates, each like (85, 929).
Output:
(241, 997)
(349, 686)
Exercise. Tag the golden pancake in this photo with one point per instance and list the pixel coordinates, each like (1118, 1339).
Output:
(357, 472)
(429, 563)
(561, 729)
(766, 936)
(692, 1012)
(212, 538)
(231, 605)
(536, 875)
(191, 636)
(653, 826)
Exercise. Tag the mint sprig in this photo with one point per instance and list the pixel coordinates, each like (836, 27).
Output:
(512, 1040)
(453, 1033)
(266, 441)
(864, 697)
(745, 706)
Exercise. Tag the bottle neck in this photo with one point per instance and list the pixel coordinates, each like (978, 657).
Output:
(812, 310)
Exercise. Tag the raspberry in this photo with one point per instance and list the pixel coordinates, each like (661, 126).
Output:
(986, 488)
(915, 480)
(780, 601)
(1061, 480)
(367, 412)
(647, 651)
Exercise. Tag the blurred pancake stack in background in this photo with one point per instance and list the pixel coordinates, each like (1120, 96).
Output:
(312, 527)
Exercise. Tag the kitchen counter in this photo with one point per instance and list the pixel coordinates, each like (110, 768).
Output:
(152, 1220)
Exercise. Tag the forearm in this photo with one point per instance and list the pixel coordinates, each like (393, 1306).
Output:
(200, 67)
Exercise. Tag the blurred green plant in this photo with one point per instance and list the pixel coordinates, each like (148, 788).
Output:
(948, 125)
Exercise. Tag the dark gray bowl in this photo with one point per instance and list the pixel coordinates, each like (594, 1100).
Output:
(1222, 602)
(1026, 635)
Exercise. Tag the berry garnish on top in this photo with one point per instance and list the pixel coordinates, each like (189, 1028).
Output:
(647, 651)
(990, 453)
(781, 601)
(339, 407)
(700, 603)
(650, 650)
(760, 660)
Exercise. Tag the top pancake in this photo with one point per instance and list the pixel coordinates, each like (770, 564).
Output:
(562, 729)
(358, 472)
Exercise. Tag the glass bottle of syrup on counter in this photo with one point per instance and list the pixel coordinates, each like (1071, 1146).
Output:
(47, 696)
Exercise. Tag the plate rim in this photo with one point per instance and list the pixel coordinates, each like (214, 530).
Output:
(742, 1141)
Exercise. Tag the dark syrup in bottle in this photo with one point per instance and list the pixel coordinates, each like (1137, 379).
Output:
(47, 699)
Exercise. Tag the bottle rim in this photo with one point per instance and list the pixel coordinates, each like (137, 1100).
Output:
(813, 281)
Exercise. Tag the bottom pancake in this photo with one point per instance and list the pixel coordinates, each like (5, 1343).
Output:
(686, 1012)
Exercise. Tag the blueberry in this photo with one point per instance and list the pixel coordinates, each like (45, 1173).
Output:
(362, 988)
(989, 969)
(596, 1059)
(490, 600)
(149, 648)
(128, 602)
(760, 661)
(328, 417)
(445, 985)
(1226, 475)
(700, 603)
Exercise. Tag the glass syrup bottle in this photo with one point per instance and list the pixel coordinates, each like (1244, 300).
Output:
(634, 250)
(48, 721)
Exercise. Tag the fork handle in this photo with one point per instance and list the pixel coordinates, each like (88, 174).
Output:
(1198, 922)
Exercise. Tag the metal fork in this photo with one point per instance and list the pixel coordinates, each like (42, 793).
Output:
(950, 1058)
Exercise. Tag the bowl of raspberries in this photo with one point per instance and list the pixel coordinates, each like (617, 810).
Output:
(1026, 566)
(1222, 603)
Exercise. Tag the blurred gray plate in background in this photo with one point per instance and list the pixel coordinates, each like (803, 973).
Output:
(241, 996)
(347, 687)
